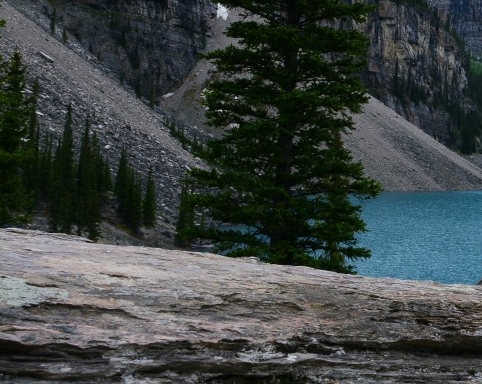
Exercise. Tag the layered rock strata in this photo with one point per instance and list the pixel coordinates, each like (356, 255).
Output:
(72, 311)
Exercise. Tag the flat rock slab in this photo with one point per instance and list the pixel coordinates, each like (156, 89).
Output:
(71, 310)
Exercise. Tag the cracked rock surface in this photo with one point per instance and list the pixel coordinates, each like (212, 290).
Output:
(71, 310)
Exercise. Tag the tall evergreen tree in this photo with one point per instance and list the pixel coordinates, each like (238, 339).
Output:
(185, 222)
(63, 186)
(46, 169)
(32, 148)
(121, 183)
(128, 189)
(131, 207)
(15, 113)
(103, 174)
(280, 171)
(149, 204)
(88, 194)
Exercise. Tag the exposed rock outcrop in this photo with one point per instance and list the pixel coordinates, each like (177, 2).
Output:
(464, 17)
(149, 44)
(416, 67)
(152, 46)
(72, 311)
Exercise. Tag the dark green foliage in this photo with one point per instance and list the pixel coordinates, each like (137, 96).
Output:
(280, 176)
(185, 221)
(65, 36)
(16, 112)
(134, 211)
(194, 144)
(88, 190)
(63, 190)
(53, 21)
(149, 204)
(120, 186)
(77, 186)
(33, 175)
(135, 58)
(46, 170)
(471, 126)
(31, 149)
(128, 189)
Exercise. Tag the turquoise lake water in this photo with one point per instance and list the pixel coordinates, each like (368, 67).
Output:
(424, 236)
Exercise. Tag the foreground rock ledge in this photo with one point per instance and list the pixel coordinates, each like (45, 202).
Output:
(71, 310)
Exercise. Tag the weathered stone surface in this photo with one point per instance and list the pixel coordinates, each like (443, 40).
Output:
(77, 311)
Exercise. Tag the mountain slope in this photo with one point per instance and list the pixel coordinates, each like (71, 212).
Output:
(403, 157)
(394, 151)
(397, 153)
(119, 118)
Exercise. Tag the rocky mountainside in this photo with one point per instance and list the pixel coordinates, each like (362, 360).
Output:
(72, 311)
(464, 17)
(149, 44)
(418, 68)
(68, 75)
(393, 150)
(416, 62)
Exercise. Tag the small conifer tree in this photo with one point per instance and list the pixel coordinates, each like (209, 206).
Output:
(149, 205)
(53, 21)
(185, 221)
(63, 187)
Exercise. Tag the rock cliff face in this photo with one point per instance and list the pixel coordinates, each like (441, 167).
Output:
(416, 67)
(149, 44)
(72, 311)
(464, 17)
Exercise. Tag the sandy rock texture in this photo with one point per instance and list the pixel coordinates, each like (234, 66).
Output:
(71, 310)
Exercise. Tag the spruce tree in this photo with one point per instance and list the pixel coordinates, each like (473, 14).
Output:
(32, 148)
(128, 189)
(88, 195)
(53, 21)
(46, 170)
(279, 175)
(102, 170)
(131, 211)
(185, 221)
(149, 204)
(63, 191)
(15, 112)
